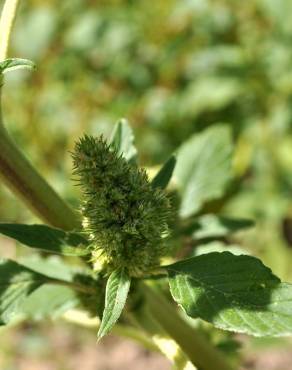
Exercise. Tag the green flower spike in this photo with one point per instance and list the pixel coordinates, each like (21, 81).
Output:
(125, 217)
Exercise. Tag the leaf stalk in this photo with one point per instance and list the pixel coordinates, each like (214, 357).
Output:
(196, 347)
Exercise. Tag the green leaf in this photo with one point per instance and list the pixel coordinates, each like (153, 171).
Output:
(116, 293)
(16, 284)
(49, 301)
(211, 226)
(53, 300)
(203, 168)
(164, 175)
(122, 140)
(236, 293)
(46, 238)
(217, 246)
(53, 266)
(12, 64)
(207, 94)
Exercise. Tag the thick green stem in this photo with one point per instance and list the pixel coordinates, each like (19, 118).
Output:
(6, 23)
(143, 319)
(15, 169)
(22, 178)
(196, 347)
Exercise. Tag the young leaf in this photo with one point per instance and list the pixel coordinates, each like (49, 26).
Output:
(12, 64)
(46, 238)
(211, 226)
(116, 293)
(163, 177)
(236, 293)
(122, 140)
(16, 283)
(203, 168)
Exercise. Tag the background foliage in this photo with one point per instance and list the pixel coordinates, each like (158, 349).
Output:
(172, 68)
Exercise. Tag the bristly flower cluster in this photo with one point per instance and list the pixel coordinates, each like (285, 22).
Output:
(126, 219)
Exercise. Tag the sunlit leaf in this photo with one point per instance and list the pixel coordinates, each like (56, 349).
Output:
(203, 168)
(236, 293)
(123, 140)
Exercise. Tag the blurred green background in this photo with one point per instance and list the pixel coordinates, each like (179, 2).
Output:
(172, 68)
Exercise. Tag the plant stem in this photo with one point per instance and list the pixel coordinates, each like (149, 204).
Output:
(143, 319)
(80, 318)
(196, 347)
(15, 169)
(6, 23)
(22, 178)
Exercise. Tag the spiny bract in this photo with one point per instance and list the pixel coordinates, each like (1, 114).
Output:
(126, 219)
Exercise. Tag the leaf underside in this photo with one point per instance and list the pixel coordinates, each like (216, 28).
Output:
(49, 301)
(11, 64)
(122, 140)
(16, 284)
(236, 293)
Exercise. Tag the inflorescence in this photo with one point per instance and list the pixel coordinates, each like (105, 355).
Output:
(125, 217)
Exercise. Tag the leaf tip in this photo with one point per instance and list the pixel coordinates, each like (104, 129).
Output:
(100, 335)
